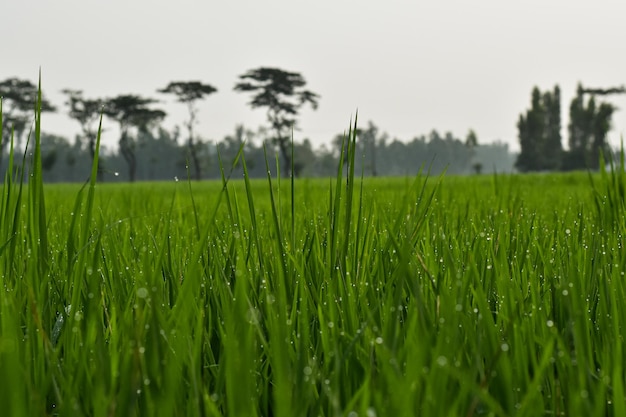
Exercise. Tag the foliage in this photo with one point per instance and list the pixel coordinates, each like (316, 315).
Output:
(589, 125)
(87, 113)
(131, 111)
(283, 94)
(540, 133)
(189, 92)
(18, 96)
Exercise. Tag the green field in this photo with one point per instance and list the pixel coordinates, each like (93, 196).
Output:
(489, 295)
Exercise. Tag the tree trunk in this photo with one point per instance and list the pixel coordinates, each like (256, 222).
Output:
(193, 151)
(284, 151)
(129, 157)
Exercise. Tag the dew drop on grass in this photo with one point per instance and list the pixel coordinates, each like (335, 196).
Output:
(442, 361)
(550, 323)
(504, 347)
(142, 292)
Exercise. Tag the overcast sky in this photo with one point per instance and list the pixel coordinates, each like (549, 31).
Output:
(409, 66)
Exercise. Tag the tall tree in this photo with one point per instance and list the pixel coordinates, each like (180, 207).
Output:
(471, 140)
(540, 133)
(86, 112)
(589, 125)
(471, 143)
(18, 108)
(188, 93)
(552, 146)
(369, 141)
(283, 94)
(131, 111)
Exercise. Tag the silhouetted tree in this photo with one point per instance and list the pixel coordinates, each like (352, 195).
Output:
(189, 92)
(18, 108)
(131, 111)
(540, 133)
(86, 112)
(369, 140)
(552, 146)
(589, 125)
(283, 94)
(471, 140)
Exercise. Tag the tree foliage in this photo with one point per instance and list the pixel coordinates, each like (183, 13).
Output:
(132, 111)
(540, 133)
(283, 94)
(18, 104)
(86, 112)
(589, 125)
(189, 92)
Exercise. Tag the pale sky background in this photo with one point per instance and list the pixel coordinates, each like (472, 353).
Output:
(409, 66)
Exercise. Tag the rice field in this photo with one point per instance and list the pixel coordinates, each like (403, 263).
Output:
(431, 296)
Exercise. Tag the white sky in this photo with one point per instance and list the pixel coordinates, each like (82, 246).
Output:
(410, 66)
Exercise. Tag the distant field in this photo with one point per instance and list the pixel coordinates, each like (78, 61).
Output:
(459, 296)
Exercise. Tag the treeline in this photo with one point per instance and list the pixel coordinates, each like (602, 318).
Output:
(589, 124)
(146, 151)
(162, 156)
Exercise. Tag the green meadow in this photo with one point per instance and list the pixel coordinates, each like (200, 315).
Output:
(432, 296)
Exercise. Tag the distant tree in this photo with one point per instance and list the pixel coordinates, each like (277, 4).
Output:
(471, 143)
(188, 93)
(540, 133)
(325, 162)
(86, 112)
(589, 125)
(304, 158)
(18, 108)
(283, 94)
(471, 140)
(553, 146)
(131, 111)
(370, 140)
(231, 144)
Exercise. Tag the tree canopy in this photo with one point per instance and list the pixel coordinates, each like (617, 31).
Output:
(189, 92)
(18, 104)
(131, 111)
(283, 94)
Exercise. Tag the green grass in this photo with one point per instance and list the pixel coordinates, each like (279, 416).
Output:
(489, 295)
